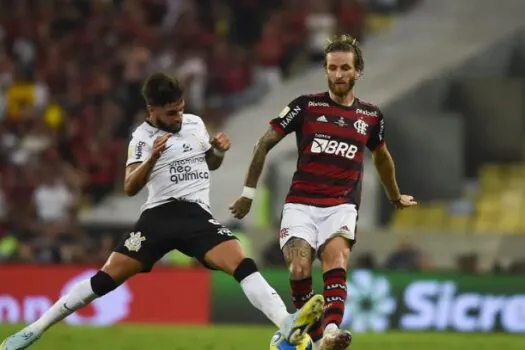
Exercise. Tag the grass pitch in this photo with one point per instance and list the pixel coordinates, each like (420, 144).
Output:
(244, 337)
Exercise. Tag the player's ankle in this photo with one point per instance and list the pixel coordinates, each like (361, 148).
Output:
(37, 327)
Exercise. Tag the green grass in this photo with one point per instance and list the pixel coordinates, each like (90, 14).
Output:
(253, 338)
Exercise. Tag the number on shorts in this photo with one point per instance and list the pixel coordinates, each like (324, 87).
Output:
(222, 230)
(214, 222)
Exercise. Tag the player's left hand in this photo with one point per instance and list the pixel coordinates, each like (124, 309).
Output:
(241, 207)
(404, 201)
(221, 142)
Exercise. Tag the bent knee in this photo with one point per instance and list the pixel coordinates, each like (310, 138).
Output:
(102, 283)
(336, 254)
(121, 267)
(300, 269)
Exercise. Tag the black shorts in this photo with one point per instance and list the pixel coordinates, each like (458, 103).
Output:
(177, 225)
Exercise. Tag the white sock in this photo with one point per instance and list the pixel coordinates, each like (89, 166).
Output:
(80, 295)
(331, 327)
(265, 298)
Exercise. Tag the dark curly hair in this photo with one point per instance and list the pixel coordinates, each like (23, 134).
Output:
(160, 90)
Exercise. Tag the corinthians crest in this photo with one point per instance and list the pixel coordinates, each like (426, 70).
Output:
(134, 242)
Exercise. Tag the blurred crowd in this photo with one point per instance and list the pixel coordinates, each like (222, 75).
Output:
(70, 79)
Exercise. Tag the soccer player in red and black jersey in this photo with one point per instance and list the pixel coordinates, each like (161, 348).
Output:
(319, 218)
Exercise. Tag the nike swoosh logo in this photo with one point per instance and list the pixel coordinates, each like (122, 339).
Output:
(68, 309)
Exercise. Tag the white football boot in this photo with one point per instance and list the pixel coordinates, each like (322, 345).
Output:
(20, 340)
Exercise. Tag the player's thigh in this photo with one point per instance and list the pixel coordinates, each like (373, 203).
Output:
(337, 221)
(297, 223)
(151, 238)
(226, 256)
(121, 267)
(210, 242)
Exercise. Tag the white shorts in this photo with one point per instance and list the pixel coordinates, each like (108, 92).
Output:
(317, 225)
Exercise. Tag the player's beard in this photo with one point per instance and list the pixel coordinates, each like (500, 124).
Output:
(165, 127)
(341, 90)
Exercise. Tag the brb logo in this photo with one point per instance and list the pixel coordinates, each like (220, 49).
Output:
(337, 148)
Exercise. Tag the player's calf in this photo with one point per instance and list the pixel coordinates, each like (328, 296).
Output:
(79, 296)
(298, 257)
(335, 256)
(265, 298)
(335, 297)
(259, 292)
(302, 292)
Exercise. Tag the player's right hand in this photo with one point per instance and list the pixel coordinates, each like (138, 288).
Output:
(404, 201)
(241, 207)
(159, 145)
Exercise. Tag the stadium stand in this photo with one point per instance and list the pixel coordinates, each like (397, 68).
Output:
(70, 78)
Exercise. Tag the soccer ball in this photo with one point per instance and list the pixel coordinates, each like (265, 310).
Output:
(280, 343)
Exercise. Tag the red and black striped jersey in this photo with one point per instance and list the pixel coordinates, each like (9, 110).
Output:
(331, 141)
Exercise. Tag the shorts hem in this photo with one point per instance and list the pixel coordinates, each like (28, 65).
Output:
(200, 257)
(282, 243)
(147, 266)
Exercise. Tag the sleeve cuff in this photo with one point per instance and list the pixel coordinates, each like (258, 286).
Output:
(277, 128)
(379, 145)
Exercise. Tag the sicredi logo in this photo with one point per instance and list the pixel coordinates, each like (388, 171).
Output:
(337, 148)
(428, 305)
(436, 305)
(370, 304)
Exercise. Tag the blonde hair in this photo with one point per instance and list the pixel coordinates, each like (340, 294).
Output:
(346, 43)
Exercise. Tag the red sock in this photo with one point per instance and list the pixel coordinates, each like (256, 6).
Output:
(316, 331)
(334, 296)
(302, 291)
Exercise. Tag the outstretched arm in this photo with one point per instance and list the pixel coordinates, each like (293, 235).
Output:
(242, 205)
(384, 164)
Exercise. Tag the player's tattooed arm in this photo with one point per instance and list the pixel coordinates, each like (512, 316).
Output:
(297, 248)
(241, 207)
(262, 147)
(384, 164)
